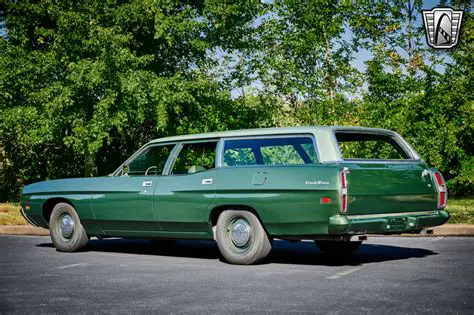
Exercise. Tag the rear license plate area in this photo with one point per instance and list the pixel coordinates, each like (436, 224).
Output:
(397, 224)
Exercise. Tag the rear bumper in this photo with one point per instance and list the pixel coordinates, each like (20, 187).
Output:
(389, 223)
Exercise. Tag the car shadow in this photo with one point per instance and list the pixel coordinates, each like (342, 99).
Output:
(283, 252)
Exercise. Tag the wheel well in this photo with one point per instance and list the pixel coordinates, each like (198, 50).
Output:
(216, 212)
(49, 204)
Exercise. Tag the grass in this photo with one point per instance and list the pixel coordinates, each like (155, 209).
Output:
(461, 210)
(10, 214)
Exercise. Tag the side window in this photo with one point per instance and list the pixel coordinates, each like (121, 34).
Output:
(195, 157)
(239, 156)
(309, 149)
(366, 146)
(269, 151)
(151, 162)
(280, 154)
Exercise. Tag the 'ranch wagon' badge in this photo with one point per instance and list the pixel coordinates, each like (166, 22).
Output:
(316, 182)
(442, 27)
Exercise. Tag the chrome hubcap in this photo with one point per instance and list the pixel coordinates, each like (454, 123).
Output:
(240, 233)
(66, 225)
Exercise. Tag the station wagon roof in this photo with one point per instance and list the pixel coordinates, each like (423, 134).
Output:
(264, 131)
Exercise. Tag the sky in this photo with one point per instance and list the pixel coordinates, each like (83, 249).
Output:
(364, 55)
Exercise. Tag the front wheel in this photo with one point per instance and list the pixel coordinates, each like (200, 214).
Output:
(241, 238)
(338, 248)
(66, 230)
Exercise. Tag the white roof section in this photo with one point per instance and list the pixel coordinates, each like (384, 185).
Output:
(264, 131)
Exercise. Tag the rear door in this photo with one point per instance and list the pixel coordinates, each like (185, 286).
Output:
(384, 175)
(182, 198)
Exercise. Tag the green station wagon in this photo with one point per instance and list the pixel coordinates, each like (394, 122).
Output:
(244, 188)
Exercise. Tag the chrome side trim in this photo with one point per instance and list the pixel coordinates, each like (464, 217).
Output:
(383, 215)
(23, 214)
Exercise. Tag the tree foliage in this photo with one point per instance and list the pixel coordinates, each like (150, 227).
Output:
(84, 83)
(432, 109)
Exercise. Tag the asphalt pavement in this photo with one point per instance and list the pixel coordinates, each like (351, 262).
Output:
(386, 275)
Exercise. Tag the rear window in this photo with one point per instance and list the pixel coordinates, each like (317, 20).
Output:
(269, 151)
(366, 146)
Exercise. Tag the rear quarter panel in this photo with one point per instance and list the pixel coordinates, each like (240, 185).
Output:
(286, 198)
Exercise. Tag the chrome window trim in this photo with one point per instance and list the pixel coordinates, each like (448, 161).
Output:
(219, 153)
(171, 158)
(269, 165)
(414, 157)
(379, 161)
(362, 161)
(295, 135)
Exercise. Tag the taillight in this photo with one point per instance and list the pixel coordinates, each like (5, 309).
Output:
(441, 189)
(343, 190)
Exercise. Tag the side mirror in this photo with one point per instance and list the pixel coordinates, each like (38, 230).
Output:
(125, 169)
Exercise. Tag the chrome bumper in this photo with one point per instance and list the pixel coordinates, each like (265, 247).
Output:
(391, 223)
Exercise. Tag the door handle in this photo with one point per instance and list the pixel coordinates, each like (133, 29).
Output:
(147, 183)
(206, 181)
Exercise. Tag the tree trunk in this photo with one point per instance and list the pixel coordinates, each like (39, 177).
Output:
(90, 168)
(329, 83)
(411, 62)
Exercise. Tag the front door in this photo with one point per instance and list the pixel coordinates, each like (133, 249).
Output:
(182, 199)
(124, 204)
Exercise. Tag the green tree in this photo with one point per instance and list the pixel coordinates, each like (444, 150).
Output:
(83, 84)
(89, 77)
(406, 92)
(302, 59)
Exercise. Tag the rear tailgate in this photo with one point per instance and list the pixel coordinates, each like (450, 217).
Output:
(390, 187)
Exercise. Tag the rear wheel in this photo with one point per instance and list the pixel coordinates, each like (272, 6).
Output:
(241, 238)
(66, 230)
(338, 248)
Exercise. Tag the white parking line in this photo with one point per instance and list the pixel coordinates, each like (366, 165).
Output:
(344, 273)
(70, 266)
